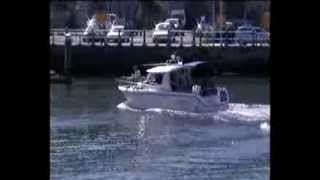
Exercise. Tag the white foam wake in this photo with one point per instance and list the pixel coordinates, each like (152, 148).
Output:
(265, 127)
(235, 113)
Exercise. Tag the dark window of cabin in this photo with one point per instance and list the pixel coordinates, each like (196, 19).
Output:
(158, 78)
(180, 81)
(155, 79)
(173, 81)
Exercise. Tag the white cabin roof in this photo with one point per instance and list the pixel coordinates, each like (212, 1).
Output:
(195, 63)
(171, 19)
(164, 69)
(169, 68)
(163, 23)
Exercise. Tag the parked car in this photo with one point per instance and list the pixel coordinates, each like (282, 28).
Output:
(161, 32)
(250, 34)
(226, 37)
(113, 34)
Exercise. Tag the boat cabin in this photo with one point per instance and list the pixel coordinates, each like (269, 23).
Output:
(178, 77)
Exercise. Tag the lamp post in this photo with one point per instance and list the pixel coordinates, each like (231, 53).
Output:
(220, 19)
(67, 52)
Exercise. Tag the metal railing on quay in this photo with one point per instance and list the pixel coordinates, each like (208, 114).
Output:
(182, 38)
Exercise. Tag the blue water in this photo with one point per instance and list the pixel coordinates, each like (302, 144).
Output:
(93, 137)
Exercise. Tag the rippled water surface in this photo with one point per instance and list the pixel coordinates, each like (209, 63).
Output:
(96, 136)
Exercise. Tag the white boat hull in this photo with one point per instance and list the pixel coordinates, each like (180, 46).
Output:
(190, 102)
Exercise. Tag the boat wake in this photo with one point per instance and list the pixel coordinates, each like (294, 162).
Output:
(236, 113)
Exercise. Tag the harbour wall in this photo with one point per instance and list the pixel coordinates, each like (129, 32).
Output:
(99, 60)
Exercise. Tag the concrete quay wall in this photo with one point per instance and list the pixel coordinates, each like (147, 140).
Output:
(95, 60)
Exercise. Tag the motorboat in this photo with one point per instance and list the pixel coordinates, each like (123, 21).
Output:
(176, 85)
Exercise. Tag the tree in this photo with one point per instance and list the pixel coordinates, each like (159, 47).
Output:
(254, 11)
(194, 10)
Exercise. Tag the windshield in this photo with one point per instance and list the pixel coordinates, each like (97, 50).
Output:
(244, 29)
(163, 27)
(172, 21)
(179, 16)
(117, 28)
(112, 17)
(154, 79)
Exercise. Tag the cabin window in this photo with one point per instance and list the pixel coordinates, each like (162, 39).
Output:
(180, 81)
(158, 78)
(154, 79)
(173, 81)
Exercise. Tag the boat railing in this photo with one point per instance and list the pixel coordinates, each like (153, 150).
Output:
(166, 63)
(154, 64)
(130, 79)
(134, 83)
